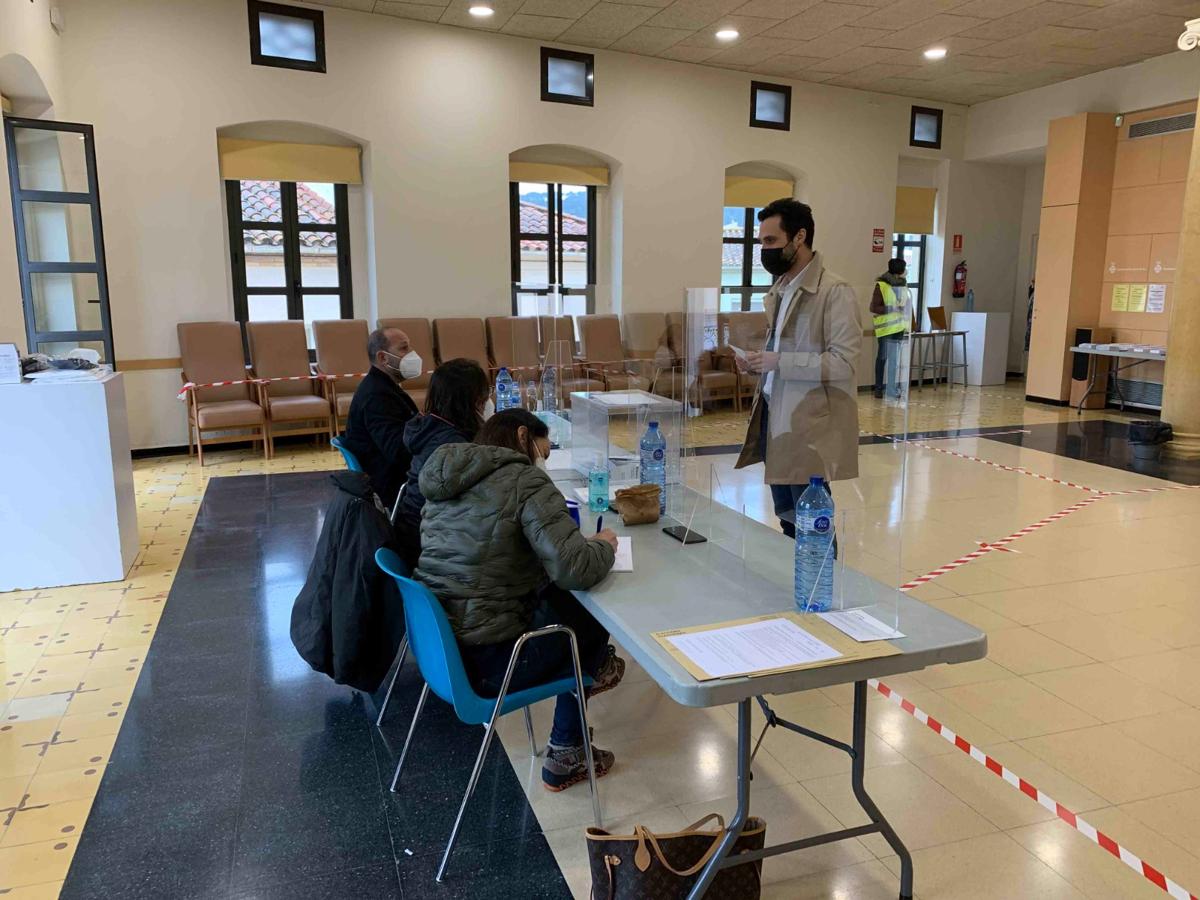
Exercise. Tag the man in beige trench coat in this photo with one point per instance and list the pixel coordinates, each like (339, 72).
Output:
(805, 416)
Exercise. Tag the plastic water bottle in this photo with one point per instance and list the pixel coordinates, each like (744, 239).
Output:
(598, 488)
(814, 548)
(504, 391)
(549, 390)
(531, 400)
(654, 463)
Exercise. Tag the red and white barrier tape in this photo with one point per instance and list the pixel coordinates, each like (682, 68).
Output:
(1020, 470)
(1143, 868)
(192, 386)
(986, 547)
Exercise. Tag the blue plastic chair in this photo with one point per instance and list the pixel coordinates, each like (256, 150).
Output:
(436, 651)
(352, 462)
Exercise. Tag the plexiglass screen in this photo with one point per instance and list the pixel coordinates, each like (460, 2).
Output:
(770, 106)
(566, 76)
(287, 37)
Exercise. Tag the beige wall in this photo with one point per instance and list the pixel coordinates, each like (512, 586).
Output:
(29, 76)
(1149, 179)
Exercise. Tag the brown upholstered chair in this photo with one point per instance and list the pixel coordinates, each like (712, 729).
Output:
(513, 343)
(604, 355)
(341, 352)
(556, 328)
(461, 338)
(280, 350)
(420, 338)
(556, 338)
(646, 341)
(747, 331)
(212, 351)
(711, 382)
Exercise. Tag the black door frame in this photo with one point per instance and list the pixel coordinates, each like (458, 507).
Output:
(27, 268)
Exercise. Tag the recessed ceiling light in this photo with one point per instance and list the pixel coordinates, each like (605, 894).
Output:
(935, 53)
(727, 34)
(480, 10)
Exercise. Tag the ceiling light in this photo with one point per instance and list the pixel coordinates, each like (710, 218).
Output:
(481, 10)
(935, 53)
(727, 34)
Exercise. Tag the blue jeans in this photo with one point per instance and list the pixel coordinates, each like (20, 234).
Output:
(544, 659)
(784, 496)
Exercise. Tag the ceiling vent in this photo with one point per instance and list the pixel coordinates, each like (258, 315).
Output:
(1163, 126)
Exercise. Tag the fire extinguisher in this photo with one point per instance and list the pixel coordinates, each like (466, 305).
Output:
(960, 280)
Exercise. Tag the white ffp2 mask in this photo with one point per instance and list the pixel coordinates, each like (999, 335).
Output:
(410, 365)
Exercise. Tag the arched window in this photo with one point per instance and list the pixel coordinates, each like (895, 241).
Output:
(748, 188)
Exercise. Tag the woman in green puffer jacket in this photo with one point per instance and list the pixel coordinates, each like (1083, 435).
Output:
(501, 552)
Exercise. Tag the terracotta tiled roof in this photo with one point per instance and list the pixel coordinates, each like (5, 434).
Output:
(535, 220)
(261, 203)
(731, 254)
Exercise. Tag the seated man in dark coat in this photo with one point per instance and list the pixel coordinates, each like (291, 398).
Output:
(380, 410)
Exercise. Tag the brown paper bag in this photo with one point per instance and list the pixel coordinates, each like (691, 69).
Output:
(638, 505)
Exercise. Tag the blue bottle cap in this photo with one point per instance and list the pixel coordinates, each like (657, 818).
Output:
(653, 424)
(815, 480)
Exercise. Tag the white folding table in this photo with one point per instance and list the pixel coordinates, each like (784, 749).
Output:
(1138, 357)
(675, 586)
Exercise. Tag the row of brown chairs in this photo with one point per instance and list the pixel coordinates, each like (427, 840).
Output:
(281, 393)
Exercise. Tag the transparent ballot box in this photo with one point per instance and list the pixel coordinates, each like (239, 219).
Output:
(607, 428)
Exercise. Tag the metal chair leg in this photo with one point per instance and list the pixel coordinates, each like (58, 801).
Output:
(408, 740)
(400, 655)
(581, 699)
(483, 749)
(533, 748)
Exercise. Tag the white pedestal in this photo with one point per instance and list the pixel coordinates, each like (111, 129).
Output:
(987, 345)
(67, 508)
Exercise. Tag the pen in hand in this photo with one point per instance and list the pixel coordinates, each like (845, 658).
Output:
(599, 523)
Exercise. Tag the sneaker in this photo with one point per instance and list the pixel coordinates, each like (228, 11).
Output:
(610, 674)
(878, 394)
(565, 766)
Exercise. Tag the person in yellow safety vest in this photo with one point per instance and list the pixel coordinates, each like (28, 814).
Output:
(893, 317)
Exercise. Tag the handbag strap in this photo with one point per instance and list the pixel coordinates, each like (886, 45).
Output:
(645, 835)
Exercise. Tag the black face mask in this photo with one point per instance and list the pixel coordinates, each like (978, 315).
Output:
(777, 260)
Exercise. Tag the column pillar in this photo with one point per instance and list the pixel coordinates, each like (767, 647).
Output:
(1181, 382)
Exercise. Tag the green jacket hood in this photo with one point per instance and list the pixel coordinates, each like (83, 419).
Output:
(454, 469)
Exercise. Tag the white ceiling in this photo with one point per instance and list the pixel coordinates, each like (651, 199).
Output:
(996, 47)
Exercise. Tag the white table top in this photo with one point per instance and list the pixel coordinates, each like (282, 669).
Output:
(1123, 354)
(675, 585)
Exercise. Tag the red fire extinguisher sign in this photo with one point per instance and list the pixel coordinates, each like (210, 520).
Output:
(960, 280)
(957, 243)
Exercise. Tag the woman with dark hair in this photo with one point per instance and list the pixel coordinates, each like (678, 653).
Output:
(502, 554)
(455, 407)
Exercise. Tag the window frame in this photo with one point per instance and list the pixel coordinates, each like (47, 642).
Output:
(26, 267)
(748, 241)
(289, 223)
(588, 59)
(915, 288)
(255, 8)
(912, 127)
(786, 90)
(554, 239)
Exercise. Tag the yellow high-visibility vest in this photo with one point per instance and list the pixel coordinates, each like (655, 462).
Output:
(892, 321)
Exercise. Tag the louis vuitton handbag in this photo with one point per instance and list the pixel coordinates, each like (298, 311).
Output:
(647, 866)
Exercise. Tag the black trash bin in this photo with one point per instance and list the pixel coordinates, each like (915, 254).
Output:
(1146, 437)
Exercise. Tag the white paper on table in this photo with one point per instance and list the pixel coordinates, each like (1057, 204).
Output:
(859, 625)
(752, 647)
(624, 561)
(10, 364)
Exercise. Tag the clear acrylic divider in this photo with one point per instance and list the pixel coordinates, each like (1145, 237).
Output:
(798, 405)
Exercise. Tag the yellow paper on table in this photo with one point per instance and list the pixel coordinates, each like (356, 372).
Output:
(1120, 297)
(764, 645)
(1137, 298)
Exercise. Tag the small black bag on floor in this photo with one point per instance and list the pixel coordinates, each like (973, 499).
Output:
(647, 866)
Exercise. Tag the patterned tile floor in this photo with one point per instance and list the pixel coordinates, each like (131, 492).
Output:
(1089, 689)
